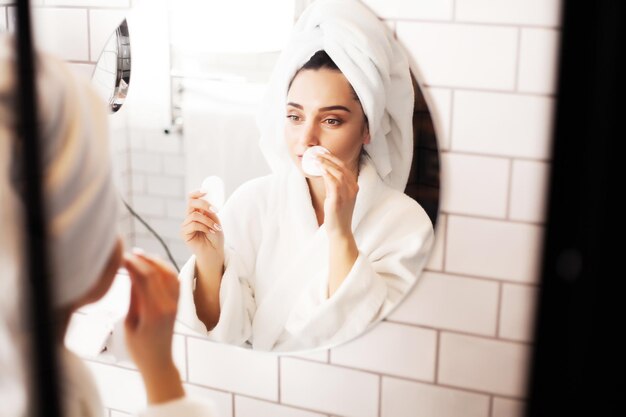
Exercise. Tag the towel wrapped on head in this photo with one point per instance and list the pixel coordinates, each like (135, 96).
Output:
(365, 51)
(81, 205)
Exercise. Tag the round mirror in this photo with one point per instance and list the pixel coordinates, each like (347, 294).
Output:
(290, 262)
(111, 76)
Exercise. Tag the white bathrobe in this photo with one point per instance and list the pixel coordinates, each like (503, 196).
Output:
(273, 293)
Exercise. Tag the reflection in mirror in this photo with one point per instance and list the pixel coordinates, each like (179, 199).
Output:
(293, 261)
(111, 76)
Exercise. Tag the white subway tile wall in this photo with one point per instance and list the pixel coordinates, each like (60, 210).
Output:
(71, 43)
(517, 312)
(504, 124)
(506, 407)
(415, 9)
(464, 56)
(332, 389)
(538, 57)
(475, 185)
(391, 349)
(481, 364)
(402, 398)
(529, 183)
(233, 369)
(493, 248)
(451, 302)
(103, 24)
(459, 345)
(514, 12)
(250, 407)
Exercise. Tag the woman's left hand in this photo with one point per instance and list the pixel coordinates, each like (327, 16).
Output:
(341, 191)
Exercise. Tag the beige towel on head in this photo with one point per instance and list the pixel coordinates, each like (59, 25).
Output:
(374, 63)
(81, 203)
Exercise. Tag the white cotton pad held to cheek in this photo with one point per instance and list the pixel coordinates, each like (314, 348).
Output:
(213, 186)
(310, 165)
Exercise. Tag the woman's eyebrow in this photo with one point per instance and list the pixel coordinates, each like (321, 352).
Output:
(328, 108)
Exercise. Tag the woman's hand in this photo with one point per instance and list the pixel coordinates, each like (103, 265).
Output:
(149, 325)
(202, 232)
(341, 190)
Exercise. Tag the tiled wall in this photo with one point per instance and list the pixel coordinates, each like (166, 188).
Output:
(460, 344)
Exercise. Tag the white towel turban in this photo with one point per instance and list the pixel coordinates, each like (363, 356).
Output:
(81, 205)
(373, 62)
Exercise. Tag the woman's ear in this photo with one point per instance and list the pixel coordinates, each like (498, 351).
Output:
(366, 134)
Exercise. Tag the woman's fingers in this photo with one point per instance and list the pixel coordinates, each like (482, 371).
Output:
(195, 222)
(197, 194)
(155, 285)
(332, 159)
(200, 204)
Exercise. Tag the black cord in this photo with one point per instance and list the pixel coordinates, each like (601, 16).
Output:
(138, 217)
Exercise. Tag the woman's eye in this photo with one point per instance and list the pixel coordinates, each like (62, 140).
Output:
(333, 122)
(293, 117)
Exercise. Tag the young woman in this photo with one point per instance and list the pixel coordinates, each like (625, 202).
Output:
(83, 244)
(295, 261)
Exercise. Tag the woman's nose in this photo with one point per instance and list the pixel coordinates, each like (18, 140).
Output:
(309, 135)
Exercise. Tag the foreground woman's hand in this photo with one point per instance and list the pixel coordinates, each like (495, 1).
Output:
(150, 325)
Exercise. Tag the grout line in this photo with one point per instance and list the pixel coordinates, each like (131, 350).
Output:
(490, 412)
(517, 157)
(454, 10)
(278, 363)
(186, 358)
(232, 403)
(437, 347)
(497, 219)
(463, 333)
(295, 407)
(380, 395)
(474, 23)
(518, 58)
(509, 193)
(499, 309)
(490, 90)
(463, 389)
(445, 244)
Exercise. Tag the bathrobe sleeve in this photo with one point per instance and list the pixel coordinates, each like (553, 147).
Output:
(240, 218)
(392, 254)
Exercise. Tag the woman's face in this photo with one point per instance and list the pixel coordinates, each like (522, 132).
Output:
(322, 110)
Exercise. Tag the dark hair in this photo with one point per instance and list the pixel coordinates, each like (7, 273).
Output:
(320, 60)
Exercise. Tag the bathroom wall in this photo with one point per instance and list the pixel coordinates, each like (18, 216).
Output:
(459, 346)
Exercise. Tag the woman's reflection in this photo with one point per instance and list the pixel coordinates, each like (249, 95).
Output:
(295, 260)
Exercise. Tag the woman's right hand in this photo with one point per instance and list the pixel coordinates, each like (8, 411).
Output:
(202, 232)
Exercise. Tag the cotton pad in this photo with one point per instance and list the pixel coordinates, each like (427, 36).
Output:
(213, 186)
(310, 164)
